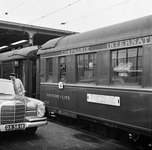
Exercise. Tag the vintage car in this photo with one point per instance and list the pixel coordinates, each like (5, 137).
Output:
(18, 112)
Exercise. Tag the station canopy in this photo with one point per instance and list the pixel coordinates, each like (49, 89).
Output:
(16, 35)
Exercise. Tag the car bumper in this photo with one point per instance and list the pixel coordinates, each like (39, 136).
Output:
(23, 125)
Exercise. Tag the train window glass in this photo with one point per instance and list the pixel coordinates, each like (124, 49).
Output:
(49, 69)
(127, 67)
(62, 63)
(86, 68)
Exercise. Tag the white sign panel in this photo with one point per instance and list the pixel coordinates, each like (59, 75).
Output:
(103, 99)
(60, 85)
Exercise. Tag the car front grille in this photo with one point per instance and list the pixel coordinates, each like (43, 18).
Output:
(12, 113)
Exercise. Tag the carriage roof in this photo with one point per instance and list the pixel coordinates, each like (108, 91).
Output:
(126, 30)
(22, 53)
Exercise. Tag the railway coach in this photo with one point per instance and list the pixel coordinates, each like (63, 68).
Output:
(23, 63)
(104, 76)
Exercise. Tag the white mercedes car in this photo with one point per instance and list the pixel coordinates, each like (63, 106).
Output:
(18, 112)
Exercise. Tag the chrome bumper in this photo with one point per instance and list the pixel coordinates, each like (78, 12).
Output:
(29, 124)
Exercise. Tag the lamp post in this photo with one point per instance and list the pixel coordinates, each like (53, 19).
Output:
(65, 24)
(6, 13)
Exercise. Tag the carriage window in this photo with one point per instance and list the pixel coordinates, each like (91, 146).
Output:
(127, 67)
(62, 63)
(49, 69)
(86, 68)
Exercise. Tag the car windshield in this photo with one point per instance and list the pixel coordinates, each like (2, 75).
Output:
(7, 88)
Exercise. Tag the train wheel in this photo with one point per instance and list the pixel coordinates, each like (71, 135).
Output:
(122, 136)
(101, 130)
(112, 132)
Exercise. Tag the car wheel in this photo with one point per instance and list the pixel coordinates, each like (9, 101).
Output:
(31, 130)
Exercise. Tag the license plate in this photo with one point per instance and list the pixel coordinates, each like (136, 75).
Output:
(15, 127)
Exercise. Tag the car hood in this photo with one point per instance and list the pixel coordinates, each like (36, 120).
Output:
(5, 98)
(30, 103)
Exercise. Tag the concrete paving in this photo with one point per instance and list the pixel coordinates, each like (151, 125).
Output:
(56, 137)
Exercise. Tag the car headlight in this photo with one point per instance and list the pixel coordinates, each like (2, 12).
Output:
(41, 110)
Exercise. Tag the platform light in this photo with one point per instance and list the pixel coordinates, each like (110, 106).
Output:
(19, 42)
(3, 47)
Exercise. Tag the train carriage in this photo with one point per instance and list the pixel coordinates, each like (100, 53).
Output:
(23, 63)
(103, 75)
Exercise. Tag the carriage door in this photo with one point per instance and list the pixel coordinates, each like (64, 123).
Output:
(31, 79)
(8, 68)
(0, 70)
(38, 78)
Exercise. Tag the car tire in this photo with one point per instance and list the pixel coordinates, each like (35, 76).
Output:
(31, 131)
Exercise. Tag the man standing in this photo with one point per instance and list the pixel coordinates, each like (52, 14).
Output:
(18, 83)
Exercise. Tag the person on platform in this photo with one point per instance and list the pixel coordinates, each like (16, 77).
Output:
(18, 83)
